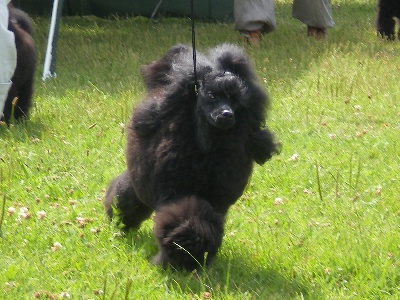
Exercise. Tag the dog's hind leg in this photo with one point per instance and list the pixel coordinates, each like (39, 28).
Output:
(121, 200)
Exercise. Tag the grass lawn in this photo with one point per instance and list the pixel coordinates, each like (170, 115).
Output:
(319, 221)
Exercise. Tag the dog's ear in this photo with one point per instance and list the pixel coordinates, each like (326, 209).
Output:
(156, 74)
(231, 58)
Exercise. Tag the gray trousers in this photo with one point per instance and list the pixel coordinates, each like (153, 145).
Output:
(315, 13)
(8, 54)
(253, 15)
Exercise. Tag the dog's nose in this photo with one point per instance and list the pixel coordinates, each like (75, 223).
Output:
(227, 114)
(226, 119)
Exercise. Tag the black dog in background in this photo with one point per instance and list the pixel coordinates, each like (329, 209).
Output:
(19, 99)
(189, 157)
(385, 24)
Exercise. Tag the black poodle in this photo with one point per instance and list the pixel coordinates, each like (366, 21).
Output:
(190, 154)
(385, 23)
(19, 98)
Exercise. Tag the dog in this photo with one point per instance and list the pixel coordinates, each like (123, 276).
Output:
(190, 152)
(19, 98)
(385, 23)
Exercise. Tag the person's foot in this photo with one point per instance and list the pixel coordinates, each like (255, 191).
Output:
(317, 32)
(252, 37)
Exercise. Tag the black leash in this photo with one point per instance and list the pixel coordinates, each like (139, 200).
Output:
(153, 14)
(196, 85)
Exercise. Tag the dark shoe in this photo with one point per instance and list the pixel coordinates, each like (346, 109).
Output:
(317, 32)
(252, 38)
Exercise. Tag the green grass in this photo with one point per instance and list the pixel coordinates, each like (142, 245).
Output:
(319, 221)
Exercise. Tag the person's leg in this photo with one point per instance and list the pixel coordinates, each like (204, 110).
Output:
(316, 14)
(254, 18)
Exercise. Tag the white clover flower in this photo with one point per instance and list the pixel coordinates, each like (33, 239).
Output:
(94, 230)
(10, 211)
(23, 210)
(65, 295)
(82, 222)
(24, 213)
(122, 127)
(378, 190)
(41, 214)
(56, 246)
(98, 292)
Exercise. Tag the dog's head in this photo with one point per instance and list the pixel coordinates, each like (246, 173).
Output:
(228, 85)
(219, 96)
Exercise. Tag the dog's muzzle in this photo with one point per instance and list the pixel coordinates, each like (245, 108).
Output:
(225, 120)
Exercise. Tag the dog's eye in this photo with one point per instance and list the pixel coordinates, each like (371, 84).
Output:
(211, 95)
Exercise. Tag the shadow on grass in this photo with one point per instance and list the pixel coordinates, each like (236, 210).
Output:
(236, 277)
(239, 277)
(22, 130)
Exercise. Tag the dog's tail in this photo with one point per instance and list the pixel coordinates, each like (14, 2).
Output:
(189, 232)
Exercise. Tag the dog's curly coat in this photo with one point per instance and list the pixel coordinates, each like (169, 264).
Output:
(189, 157)
(385, 24)
(22, 87)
